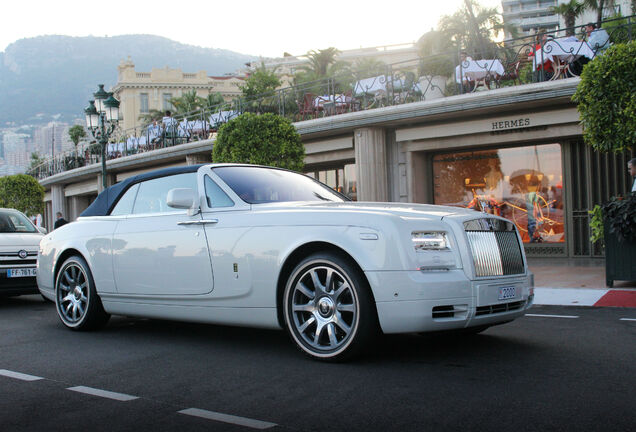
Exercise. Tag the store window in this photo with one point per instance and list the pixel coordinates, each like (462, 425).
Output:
(522, 184)
(342, 179)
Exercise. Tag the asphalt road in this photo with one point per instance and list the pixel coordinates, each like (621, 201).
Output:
(537, 373)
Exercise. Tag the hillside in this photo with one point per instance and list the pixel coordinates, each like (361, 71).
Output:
(55, 75)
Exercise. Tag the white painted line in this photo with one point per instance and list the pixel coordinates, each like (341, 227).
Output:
(552, 316)
(18, 375)
(103, 393)
(628, 319)
(227, 418)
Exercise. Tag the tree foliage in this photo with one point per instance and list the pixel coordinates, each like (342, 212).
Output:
(606, 98)
(153, 114)
(187, 103)
(36, 160)
(261, 81)
(569, 11)
(22, 192)
(76, 133)
(474, 28)
(265, 139)
(322, 64)
(215, 101)
(598, 6)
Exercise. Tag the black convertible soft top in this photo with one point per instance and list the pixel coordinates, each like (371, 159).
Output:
(109, 196)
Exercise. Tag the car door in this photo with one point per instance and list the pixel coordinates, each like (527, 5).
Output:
(158, 250)
(227, 223)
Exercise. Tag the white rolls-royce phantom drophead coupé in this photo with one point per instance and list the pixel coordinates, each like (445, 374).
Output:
(264, 247)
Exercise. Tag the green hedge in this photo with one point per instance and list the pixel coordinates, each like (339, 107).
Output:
(265, 139)
(606, 98)
(22, 192)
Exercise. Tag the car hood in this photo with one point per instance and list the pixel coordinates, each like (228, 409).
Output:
(405, 210)
(21, 240)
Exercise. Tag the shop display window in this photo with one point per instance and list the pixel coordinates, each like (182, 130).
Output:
(522, 184)
(341, 179)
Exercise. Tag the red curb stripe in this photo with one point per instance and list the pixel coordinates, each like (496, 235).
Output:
(617, 298)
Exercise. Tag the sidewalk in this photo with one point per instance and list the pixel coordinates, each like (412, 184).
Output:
(578, 282)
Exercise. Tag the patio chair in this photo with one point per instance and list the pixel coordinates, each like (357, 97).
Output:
(511, 73)
(306, 107)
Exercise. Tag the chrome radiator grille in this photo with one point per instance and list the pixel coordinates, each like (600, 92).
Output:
(495, 247)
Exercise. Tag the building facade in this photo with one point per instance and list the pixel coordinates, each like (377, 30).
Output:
(287, 66)
(141, 92)
(617, 7)
(530, 15)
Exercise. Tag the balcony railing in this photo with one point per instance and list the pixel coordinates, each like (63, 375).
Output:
(512, 62)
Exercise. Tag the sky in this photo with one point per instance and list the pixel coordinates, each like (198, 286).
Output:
(260, 28)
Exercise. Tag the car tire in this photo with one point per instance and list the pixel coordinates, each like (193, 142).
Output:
(328, 307)
(76, 300)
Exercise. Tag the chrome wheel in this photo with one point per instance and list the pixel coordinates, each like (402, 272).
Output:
(72, 293)
(323, 308)
(77, 303)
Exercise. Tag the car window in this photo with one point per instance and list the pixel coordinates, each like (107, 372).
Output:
(215, 196)
(256, 185)
(152, 194)
(11, 222)
(125, 204)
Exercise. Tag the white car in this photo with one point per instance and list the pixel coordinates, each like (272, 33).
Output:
(264, 247)
(19, 242)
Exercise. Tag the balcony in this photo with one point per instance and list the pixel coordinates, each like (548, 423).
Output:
(504, 64)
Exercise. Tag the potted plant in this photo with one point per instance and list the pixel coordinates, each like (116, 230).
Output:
(614, 224)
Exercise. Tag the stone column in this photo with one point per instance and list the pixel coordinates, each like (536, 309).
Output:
(58, 201)
(371, 164)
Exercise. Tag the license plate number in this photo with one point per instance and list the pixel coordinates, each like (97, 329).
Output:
(506, 293)
(21, 272)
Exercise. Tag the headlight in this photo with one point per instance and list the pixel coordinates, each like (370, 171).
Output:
(429, 240)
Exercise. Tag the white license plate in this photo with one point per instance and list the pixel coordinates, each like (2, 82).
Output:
(20, 272)
(506, 293)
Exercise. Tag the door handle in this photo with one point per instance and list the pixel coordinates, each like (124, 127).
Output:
(199, 222)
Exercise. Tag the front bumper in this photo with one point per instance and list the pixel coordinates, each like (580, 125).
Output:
(414, 301)
(17, 286)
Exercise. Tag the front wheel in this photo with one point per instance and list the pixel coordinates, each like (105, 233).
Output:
(328, 308)
(76, 300)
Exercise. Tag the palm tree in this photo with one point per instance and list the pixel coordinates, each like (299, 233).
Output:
(569, 11)
(75, 133)
(320, 61)
(474, 28)
(598, 6)
(187, 103)
(368, 67)
(153, 114)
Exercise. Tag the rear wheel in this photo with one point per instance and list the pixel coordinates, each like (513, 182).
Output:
(328, 308)
(77, 303)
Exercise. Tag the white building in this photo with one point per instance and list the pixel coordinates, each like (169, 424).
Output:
(622, 7)
(16, 154)
(530, 15)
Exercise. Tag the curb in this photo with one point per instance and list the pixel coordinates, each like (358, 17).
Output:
(585, 297)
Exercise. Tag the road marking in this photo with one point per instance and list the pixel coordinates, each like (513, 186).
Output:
(552, 316)
(18, 375)
(227, 418)
(103, 393)
(628, 319)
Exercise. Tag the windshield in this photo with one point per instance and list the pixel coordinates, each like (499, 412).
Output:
(15, 222)
(257, 185)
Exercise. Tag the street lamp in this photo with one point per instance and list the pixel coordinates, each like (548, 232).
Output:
(102, 116)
